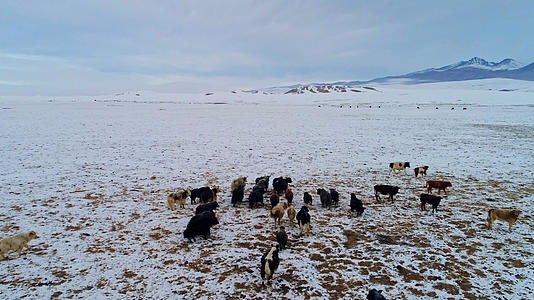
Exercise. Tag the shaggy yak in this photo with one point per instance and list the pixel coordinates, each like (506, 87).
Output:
(503, 214)
(430, 199)
(277, 212)
(326, 198)
(195, 193)
(384, 189)
(437, 184)
(178, 198)
(356, 205)
(281, 237)
(16, 242)
(239, 182)
(237, 195)
(256, 196)
(280, 184)
(307, 198)
(200, 225)
(263, 182)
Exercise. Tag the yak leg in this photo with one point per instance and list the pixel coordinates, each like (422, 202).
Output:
(510, 225)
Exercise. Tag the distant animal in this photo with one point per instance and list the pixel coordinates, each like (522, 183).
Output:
(420, 170)
(503, 214)
(356, 205)
(280, 184)
(437, 184)
(195, 193)
(384, 189)
(289, 196)
(206, 207)
(326, 199)
(275, 199)
(281, 237)
(238, 182)
(178, 198)
(269, 264)
(200, 225)
(256, 196)
(307, 198)
(304, 219)
(291, 213)
(398, 166)
(263, 182)
(16, 242)
(335, 196)
(375, 295)
(277, 212)
(237, 195)
(430, 199)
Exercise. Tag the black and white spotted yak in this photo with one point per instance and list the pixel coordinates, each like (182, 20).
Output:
(398, 166)
(304, 220)
(269, 264)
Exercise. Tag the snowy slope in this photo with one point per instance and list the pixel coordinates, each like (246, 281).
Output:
(91, 174)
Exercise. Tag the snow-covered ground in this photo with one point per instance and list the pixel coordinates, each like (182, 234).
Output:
(91, 174)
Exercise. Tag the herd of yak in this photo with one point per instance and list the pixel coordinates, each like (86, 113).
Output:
(205, 218)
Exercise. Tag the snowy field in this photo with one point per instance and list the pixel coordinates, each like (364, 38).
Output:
(91, 174)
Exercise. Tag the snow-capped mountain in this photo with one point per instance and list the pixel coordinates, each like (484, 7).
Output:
(472, 69)
(475, 68)
(480, 63)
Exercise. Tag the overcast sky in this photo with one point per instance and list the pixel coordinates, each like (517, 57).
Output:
(101, 47)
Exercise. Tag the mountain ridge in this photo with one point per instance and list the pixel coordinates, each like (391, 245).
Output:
(472, 69)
